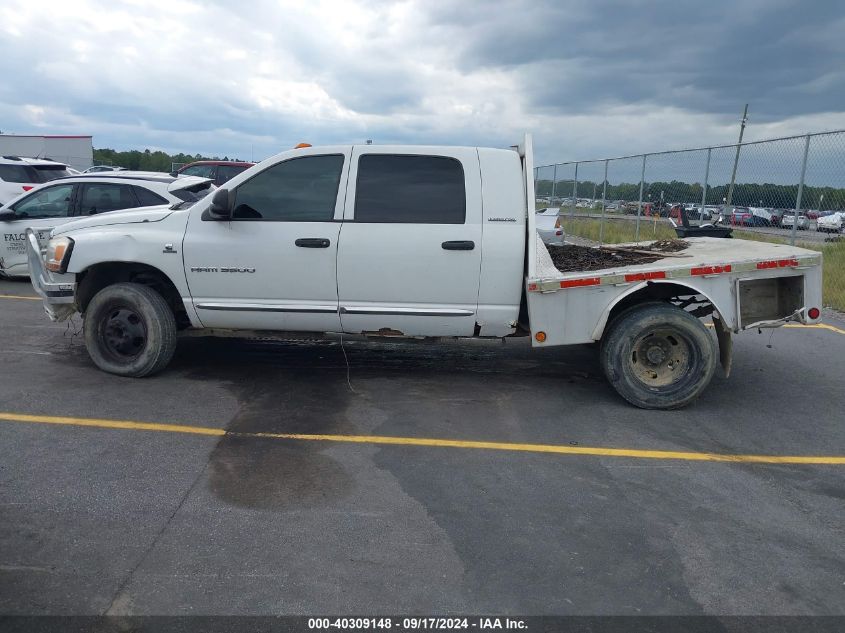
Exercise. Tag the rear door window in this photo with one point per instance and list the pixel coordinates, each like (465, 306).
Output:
(101, 198)
(410, 190)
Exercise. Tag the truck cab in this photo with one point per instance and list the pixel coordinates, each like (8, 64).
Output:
(362, 240)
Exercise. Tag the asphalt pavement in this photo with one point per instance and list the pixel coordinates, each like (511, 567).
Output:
(209, 511)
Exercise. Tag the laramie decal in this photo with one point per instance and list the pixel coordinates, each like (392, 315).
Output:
(501, 219)
(221, 269)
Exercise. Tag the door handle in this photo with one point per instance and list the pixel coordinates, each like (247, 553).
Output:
(458, 245)
(312, 242)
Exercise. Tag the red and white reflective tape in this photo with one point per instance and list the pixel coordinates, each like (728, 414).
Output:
(674, 273)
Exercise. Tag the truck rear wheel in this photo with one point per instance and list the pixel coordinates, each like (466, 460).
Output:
(657, 356)
(130, 330)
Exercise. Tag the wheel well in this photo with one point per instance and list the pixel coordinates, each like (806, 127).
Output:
(682, 296)
(98, 276)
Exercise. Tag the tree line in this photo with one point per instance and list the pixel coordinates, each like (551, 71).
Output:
(147, 160)
(744, 194)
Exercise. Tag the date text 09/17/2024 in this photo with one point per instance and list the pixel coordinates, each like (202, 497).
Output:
(417, 623)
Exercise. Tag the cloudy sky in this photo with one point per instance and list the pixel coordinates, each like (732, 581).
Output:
(589, 78)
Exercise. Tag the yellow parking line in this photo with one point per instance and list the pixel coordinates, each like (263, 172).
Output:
(110, 424)
(821, 326)
(433, 442)
(20, 297)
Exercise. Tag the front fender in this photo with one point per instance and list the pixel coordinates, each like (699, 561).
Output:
(154, 244)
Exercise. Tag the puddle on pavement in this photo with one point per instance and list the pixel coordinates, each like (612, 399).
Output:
(300, 387)
(277, 395)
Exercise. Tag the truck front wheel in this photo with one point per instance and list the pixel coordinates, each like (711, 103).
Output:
(130, 330)
(657, 356)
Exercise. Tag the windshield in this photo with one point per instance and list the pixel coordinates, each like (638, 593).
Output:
(193, 194)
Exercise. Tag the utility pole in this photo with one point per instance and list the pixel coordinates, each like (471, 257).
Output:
(736, 158)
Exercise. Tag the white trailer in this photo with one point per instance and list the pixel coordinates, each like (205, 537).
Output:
(74, 150)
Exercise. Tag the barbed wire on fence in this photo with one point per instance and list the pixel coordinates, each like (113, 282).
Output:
(786, 189)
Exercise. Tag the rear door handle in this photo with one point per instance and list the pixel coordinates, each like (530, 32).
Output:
(458, 245)
(312, 242)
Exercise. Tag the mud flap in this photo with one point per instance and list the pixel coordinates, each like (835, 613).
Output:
(723, 335)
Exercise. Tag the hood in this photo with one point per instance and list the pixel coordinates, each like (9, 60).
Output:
(129, 216)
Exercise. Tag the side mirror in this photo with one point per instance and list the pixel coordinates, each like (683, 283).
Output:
(6, 215)
(174, 174)
(221, 206)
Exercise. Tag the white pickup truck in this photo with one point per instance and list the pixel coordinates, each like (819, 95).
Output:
(407, 241)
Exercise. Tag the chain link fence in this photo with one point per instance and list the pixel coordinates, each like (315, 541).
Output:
(789, 190)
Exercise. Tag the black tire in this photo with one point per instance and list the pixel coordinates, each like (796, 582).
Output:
(130, 330)
(657, 356)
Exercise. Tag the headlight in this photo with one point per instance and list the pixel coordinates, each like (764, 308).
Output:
(58, 253)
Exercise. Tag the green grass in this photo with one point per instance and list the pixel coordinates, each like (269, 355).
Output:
(833, 265)
(617, 231)
(620, 231)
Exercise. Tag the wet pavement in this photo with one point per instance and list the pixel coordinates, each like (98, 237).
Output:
(120, 521)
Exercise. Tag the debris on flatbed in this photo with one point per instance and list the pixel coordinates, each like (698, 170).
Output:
(667, 246)
(571, 258)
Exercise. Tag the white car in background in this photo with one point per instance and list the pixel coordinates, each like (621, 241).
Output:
(52, 204)
(789, 219)
(95, 169)
(548, 226)
(19, 175)
(833, 223)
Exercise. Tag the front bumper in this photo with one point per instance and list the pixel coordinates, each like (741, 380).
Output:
(58, 295)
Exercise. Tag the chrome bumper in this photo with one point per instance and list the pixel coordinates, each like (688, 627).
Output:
(59, 296)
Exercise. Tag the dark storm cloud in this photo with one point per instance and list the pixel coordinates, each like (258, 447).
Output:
(593, 76)
(702, 56)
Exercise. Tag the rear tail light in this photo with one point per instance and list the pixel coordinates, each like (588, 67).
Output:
(27, 187)
(558, 232)
(814, 313)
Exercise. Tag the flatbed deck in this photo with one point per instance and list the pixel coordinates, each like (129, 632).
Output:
(702, 253)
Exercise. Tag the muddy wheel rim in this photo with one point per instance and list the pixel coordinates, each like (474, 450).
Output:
(660, 357)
